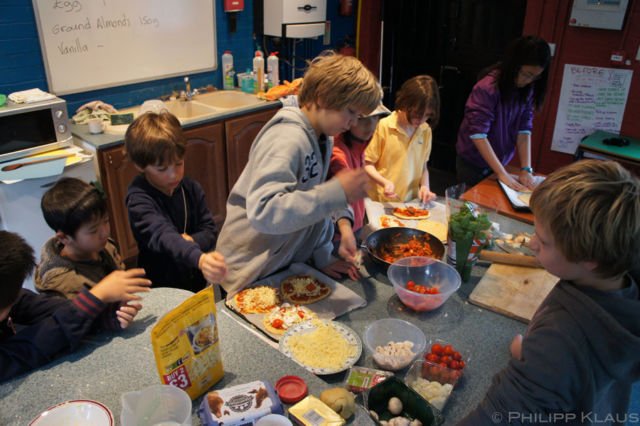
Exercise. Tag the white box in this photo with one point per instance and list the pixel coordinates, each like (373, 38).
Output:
(294, 18)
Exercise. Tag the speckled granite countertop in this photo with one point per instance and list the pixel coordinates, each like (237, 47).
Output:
(108, 365)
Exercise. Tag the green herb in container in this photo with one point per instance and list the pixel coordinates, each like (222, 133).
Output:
(468, 235)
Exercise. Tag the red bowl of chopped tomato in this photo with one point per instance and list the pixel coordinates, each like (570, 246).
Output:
(423, 283)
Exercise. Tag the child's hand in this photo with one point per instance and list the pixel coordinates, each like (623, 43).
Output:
(348, 248)
(425, 195)
(527, 180)
(187, 237)
(339, 267)
(213, 266)
(355, 183)
(390, 190)
(508, 180)
(126, 313)
(122, 286)
(516, 347)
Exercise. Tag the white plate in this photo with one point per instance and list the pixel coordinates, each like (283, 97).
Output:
(305, 327)
(75, 412)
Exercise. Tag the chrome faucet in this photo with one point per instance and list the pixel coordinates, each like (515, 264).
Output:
(187, 95)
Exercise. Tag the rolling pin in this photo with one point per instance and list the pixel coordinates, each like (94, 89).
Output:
(509, 259)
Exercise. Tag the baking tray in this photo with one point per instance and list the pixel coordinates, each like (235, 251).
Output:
(340, 301)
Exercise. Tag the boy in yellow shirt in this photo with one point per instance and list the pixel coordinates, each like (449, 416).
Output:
(396, 158)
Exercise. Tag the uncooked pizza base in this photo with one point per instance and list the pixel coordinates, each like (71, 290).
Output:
(388, 221)
(257, 300)
(398, 213)
(289, 315)
(525, 198)
(303, 290)
(437, 229)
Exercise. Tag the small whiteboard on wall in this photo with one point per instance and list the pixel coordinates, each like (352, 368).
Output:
(93, 44)
(592, 98)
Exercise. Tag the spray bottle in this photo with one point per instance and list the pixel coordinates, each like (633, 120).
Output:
(227, 70)
(272, 69)
(258, 69)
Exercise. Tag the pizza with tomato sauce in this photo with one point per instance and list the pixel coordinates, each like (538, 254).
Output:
(387, 221)
(283, 317)
(410, 212)
(303, 289)
(257, 300)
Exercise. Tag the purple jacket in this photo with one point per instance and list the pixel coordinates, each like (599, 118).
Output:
(486, 113)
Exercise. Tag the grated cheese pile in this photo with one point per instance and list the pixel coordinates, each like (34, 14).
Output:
(324, 347)
(260, 298)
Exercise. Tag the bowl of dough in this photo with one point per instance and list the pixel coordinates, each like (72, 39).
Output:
(394, 343)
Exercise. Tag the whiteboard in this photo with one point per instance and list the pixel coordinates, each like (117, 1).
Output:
(591, 98)
(93, 44)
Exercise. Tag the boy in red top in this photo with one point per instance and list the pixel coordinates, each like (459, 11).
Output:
(348, 153)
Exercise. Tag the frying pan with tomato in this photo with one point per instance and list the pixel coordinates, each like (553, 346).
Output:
(383, 242)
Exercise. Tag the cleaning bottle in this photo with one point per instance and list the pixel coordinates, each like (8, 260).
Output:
(272, 69)
(227, 70)
(258, 69)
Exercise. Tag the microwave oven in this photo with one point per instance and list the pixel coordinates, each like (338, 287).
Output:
(27, 129)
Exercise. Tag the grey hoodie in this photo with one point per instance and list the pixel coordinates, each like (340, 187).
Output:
(580, 357)
(279, 211)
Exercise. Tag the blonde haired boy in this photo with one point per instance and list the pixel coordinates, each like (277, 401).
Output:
(279, 210)
(580, 354)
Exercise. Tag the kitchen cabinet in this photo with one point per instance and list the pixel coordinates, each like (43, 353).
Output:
(215, 156)
(116, 172)
(239, 134)
(204, 162)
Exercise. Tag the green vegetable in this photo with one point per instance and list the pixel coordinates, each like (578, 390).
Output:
(466, 226)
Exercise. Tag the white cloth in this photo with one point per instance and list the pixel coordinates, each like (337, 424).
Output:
(30, 96)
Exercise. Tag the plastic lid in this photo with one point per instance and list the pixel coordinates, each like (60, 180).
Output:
(291, 389)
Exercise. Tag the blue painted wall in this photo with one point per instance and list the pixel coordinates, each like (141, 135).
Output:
(21, 65)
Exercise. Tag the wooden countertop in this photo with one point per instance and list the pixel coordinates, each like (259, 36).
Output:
(489, 194)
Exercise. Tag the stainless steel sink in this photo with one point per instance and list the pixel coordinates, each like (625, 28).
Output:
(227, 99)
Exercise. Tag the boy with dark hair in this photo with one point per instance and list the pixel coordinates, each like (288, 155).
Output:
(279, 211)
(579, 356)
(34, 328)
(168, 213)
(81, 253)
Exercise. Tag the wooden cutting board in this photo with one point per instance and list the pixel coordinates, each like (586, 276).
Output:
(514, 291)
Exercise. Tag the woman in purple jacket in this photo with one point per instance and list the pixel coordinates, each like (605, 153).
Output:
(498, 115)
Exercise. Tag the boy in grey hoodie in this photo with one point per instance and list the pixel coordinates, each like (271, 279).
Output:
(279, 210)
(580, 355)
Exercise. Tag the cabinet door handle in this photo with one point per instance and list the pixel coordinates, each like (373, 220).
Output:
(307, 7)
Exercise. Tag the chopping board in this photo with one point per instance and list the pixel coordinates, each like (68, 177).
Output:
(514, 291)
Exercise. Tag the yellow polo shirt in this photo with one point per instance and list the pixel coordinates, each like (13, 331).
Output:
(398, 158)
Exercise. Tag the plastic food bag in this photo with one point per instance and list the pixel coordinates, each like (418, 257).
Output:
(186, 345)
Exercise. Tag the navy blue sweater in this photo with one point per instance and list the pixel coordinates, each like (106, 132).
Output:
(158, 220)
(40, 328)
